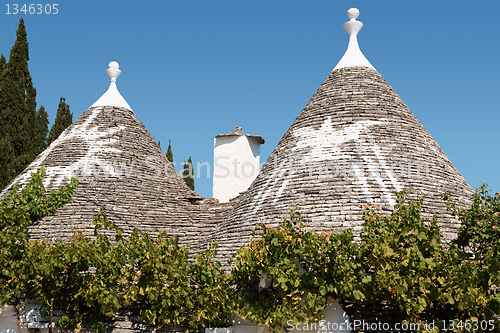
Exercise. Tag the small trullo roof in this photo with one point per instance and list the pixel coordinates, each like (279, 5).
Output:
(134, 182)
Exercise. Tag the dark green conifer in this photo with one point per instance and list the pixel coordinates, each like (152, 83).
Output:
(3, 62)
(64, 118)
(187, 173)
(17, 110)
(42, 129)
(169, 154)
(7, 162)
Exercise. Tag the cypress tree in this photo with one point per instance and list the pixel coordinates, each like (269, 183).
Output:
(42, 129)
(169, 154)
(3, 62)
(5, 148)
(64, 118)
(187, 175)
(17, 110)
(7, 162)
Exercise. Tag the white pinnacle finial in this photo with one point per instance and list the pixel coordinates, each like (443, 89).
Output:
(353, 56)
(112, 97)
(353, 13)
(113, 70)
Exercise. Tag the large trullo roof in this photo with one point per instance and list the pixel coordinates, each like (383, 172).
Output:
(135, 184)
(356, 124)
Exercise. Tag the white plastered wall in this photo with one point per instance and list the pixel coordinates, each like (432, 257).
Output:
(236, 164)
(336, 321)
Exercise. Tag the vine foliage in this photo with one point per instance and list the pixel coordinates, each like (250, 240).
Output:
(286, 274)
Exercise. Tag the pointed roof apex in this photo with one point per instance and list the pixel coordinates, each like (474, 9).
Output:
(112, 96)
(353, 56)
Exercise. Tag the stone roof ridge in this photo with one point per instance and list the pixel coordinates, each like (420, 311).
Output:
(353, 56)
(112, 96)
(238, 131)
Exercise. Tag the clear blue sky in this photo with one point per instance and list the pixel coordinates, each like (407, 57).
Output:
(195, 69)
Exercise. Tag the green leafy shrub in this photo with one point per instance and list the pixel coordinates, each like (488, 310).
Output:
(171, 289)
(304, 268)
(479, 242)
(285, 274)
(406, 263)
(18, 210)
(90, 277)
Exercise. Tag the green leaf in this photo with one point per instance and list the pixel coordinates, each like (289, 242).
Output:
(358, 295)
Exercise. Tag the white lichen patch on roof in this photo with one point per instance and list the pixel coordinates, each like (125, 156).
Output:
(325, 145)
(353, 56)
(112, 96)
(94, 138)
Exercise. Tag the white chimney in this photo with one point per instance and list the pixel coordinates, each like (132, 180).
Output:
(236, 163)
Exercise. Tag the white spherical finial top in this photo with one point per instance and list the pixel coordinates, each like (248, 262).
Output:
(113, 70)
(113, 64)
(353, 13)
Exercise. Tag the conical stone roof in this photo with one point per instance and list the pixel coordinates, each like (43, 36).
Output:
(120, 168)
(355, 143)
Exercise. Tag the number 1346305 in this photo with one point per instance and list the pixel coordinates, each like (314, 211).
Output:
(33, 8)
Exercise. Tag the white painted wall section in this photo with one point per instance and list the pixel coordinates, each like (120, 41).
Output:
(236, 163)
(336, 321)
(30, 318)
(8, 319)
